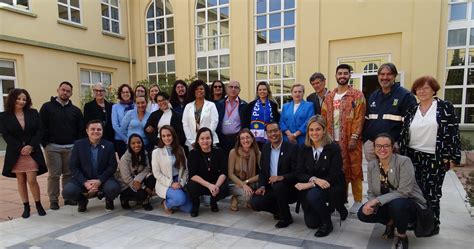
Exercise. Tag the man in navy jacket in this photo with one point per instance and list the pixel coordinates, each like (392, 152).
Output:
(93, 165)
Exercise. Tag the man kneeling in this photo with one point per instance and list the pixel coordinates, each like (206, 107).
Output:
(93, 165)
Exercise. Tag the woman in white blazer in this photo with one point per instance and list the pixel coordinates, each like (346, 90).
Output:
(170, 170)
(199, 112)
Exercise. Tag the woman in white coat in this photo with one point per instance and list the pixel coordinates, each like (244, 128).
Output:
(199, 112)
(170, 170)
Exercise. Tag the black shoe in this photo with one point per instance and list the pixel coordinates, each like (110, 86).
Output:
(324, 230)
(214, 207)
(100, 195)
(70, 202)
(26, 210)
(283, 223)
(435, 231)
(82, 205)
(54, 205)
(40, 208)
(401, 243)
(276, 217)
(109, 205)
(343, 213)
(124, 203)
(147, 206)
(194, 213)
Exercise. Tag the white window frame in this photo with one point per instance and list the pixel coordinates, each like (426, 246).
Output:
(467, 24)
(212, 53)
(69, 8)
(4, 77)
(283, 95)
(168, 57)
(18, 6)
(91, 83)
(109, 18)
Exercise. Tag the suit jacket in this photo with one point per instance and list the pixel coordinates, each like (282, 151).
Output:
(81, 162)
(296, 121)
(313, 97)
(286, 163)
(163, 172)
(176, 122)
(401, 176)
(17, 138)
(209, 119)
(220, 105)
(93, 111)
(328, 167)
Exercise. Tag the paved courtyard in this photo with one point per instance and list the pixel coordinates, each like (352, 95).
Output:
(137, 228)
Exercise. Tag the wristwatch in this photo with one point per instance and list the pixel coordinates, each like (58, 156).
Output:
(247, 181)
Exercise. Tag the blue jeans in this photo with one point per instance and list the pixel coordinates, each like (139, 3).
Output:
(177, 198)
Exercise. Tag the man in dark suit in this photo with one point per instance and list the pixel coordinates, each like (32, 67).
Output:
(93, 165)
(277, 177)
(318, 82)
(230, 111)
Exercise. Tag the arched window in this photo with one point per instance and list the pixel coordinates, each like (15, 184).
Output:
(371, 68)
(212, 40)
(160, 42)
(275, 46)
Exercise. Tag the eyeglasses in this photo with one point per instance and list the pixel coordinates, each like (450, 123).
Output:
(217, 86)
(98, 90)
(383, 146)
(234, 87)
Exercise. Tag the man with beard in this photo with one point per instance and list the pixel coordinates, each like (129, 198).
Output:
(385, 109)
(318, 82)
(344, 110)
(63, 123)
(178, 96)
(277, 177)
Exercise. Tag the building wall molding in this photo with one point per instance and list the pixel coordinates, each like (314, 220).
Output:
(64, 48)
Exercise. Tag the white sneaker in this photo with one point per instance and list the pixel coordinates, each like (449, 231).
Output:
(355, 207)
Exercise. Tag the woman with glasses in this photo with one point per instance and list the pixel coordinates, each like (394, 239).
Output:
(164, 116)
(140, 90)
(393, 194)
(125, 104)
(217, 91)
(100, 109)
(430, 137)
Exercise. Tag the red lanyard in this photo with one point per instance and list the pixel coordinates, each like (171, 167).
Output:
(232, 108)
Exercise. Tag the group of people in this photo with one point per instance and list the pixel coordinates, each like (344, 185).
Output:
(209, 141)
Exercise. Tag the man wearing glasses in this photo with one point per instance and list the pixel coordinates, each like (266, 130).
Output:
(318, 82)
(230, 111)
(100, 109)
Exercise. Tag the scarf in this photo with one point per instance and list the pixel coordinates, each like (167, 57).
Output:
(261, 115)
(246, 169)
(128, 106)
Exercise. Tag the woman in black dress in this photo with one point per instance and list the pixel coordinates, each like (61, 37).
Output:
(21, 128)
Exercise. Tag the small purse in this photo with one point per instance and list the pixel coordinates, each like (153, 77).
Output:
(424, 221)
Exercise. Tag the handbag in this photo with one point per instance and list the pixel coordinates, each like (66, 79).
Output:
(424, 221)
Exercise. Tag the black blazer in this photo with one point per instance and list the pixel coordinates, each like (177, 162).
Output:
(17, 138)
(220, 105)
(93, 111)
(313, 97)
(176, 121)
(247, 117)
(328, 167)
(286, 163)
(81, 164)
(197, 164)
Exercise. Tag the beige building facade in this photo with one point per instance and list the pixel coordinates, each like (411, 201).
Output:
(280, 41)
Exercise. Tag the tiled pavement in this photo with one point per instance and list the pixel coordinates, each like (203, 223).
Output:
(137, 228)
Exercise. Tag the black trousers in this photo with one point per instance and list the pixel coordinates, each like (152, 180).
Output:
(276, 200)
(195, 190)
(140, 195)
(227, 142)
(401, 210)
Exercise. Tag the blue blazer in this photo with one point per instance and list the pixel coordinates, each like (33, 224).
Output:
(298, 120)
(81, 162)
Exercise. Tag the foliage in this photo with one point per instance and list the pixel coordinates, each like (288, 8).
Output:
(466, 144)
(165, 82)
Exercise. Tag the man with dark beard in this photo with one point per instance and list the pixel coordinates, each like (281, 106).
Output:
(178, 95)
(344, 112)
